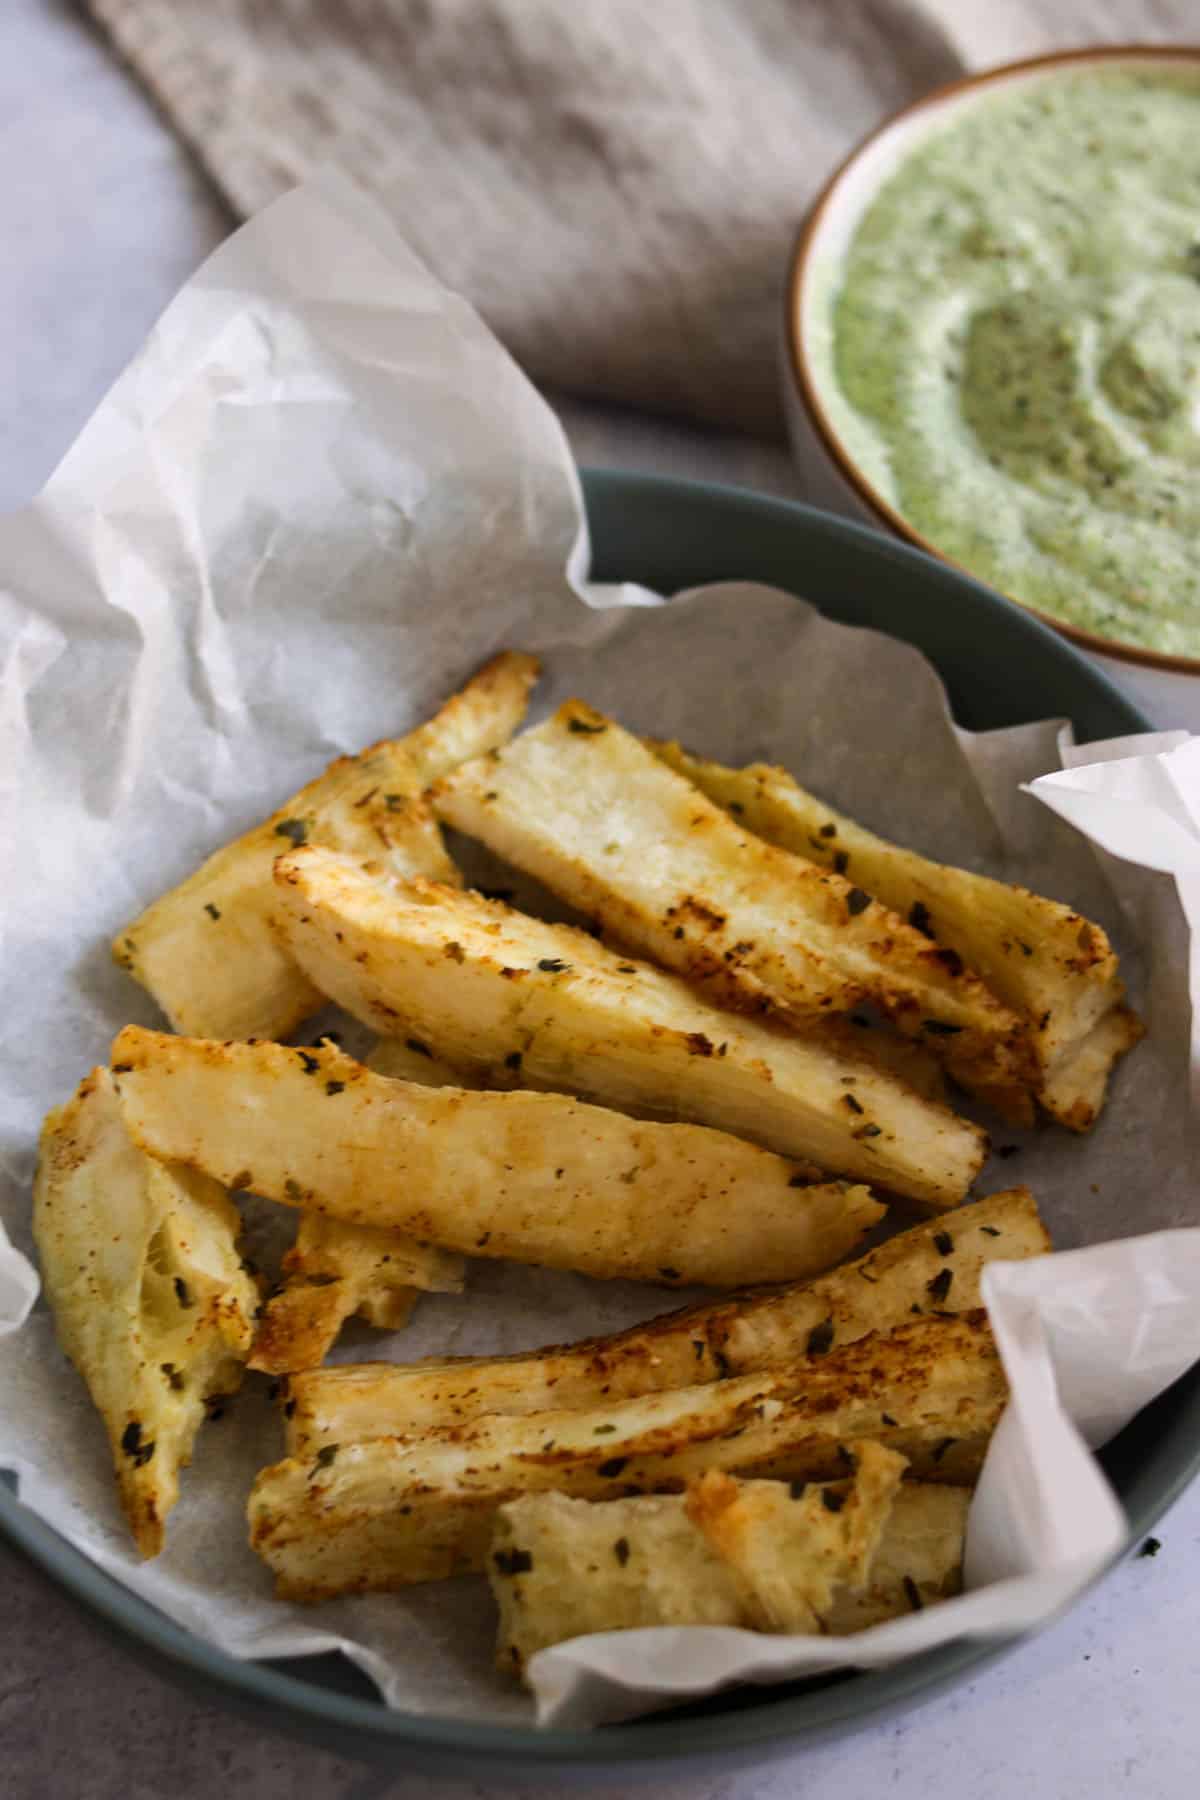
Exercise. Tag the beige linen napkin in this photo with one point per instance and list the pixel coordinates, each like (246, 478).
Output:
(615, 184)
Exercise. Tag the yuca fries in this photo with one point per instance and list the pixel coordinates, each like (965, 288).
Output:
(1040, 957)
(387, 1512)
(207, 950)
(562, 1568)
(411, 1059)
(919, 1560)
(791, 1549)
(530, 1004)
(335, 1270)
(542, 1097)
(858, 1037)
(1074, 1090)
(151, 1299)
(525, 1176)
(596, 816)
(935, 1265)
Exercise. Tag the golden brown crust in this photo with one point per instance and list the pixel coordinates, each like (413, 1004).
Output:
(562, 1568)
(208, 951)
(763, 930)
(792, 1547)
(150, 1297)
(760, 1555)
(741, 1335)
(529, 1004)
(386, 1512)
(1046, 961)
(1074, 1092)
(531, 1177)
(335, 1271)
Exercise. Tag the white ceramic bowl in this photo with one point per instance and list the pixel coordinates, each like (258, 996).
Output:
(1167, 686)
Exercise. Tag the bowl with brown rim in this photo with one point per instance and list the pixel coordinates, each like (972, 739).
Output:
(832, 474)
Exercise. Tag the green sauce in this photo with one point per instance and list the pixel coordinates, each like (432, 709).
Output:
(1013, 348)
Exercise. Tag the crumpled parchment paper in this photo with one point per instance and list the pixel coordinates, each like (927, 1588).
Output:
(318, 499)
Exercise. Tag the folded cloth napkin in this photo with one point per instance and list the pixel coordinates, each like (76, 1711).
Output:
(614, 185)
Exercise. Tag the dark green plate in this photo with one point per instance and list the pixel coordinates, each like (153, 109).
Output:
(1001, 667)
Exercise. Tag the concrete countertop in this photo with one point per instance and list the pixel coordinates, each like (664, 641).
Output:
(103, 215)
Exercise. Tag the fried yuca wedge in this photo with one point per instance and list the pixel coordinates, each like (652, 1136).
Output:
(919, 1560)
(562, 1568)
(151, 1299)
(862, 1040)
(386, 1512)
(207, 951)
(1074, 1090)
(790, 1548)
(334, 1271)
(525, 1176)
(762, 1555)
(537, 1005)
(411, 1059)
(935, 1265)
(1040, 957)
(597, 817)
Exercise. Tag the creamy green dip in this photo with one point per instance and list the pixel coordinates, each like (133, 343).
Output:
(1012, 348)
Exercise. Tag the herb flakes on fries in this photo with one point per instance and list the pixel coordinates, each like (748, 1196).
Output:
(688, 1093)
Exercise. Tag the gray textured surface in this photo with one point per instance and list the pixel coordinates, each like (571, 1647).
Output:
(102, 217)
